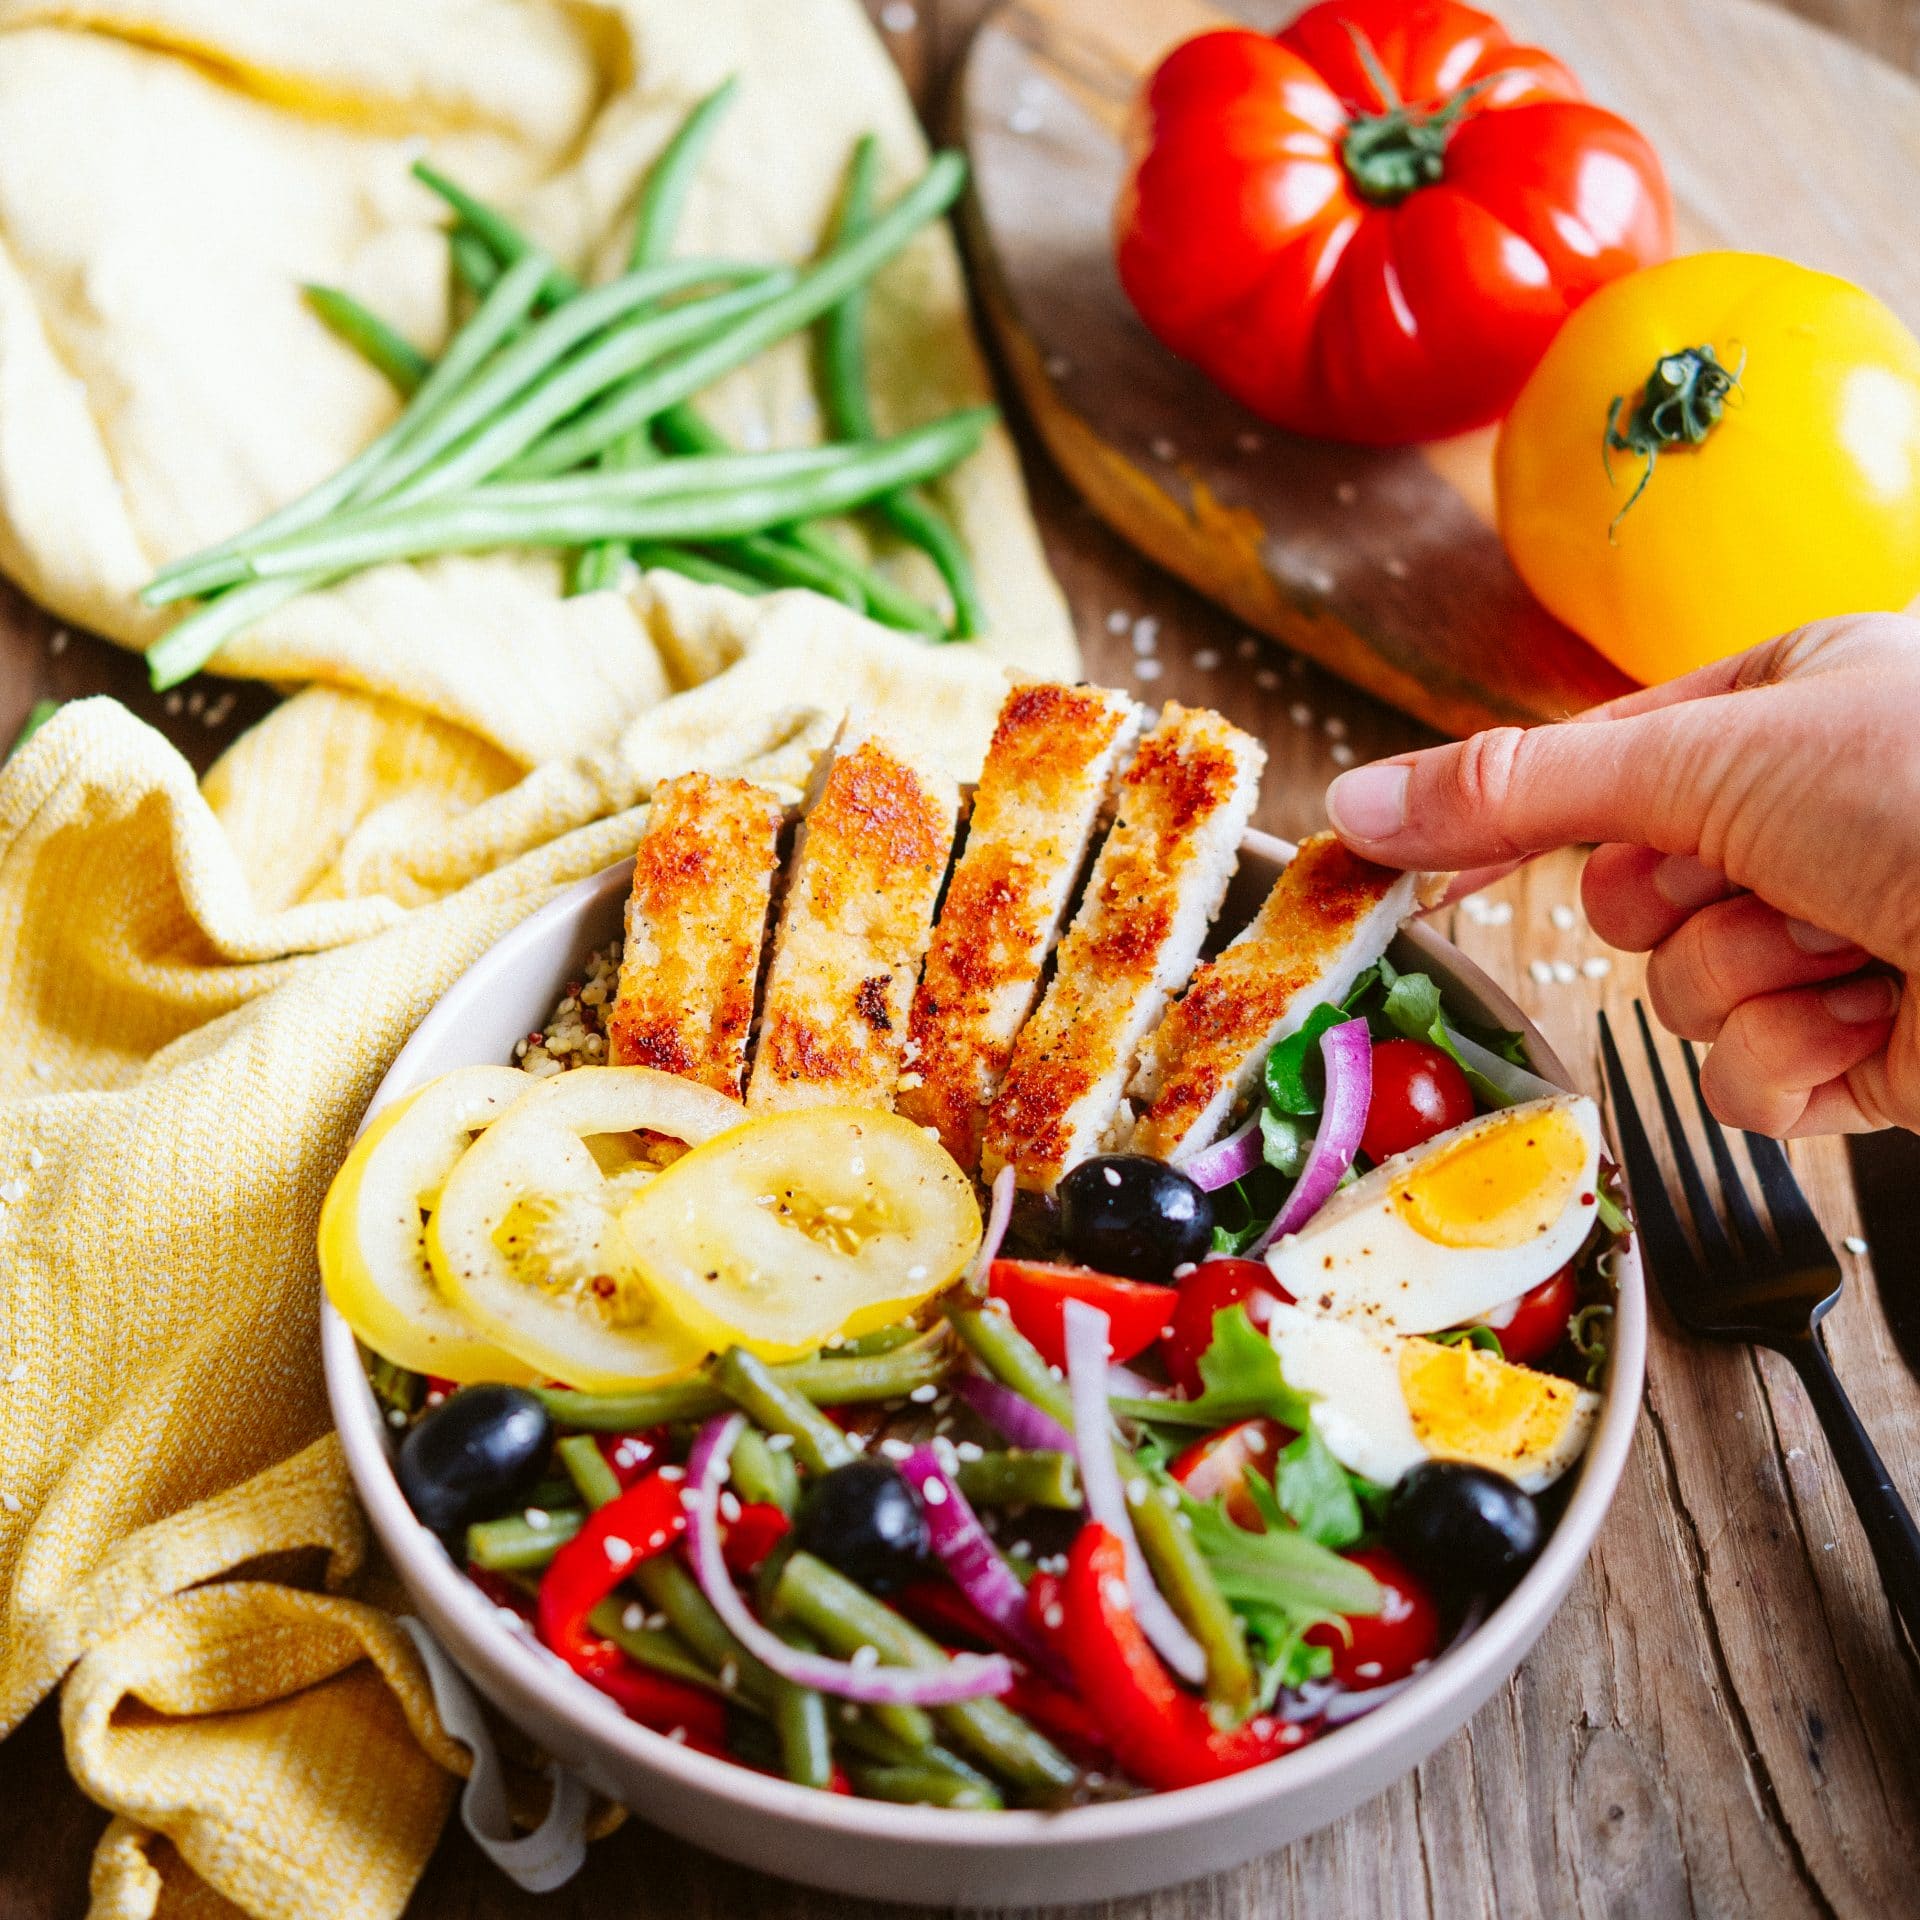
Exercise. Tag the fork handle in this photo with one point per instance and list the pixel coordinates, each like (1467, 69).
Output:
(1889, 1526)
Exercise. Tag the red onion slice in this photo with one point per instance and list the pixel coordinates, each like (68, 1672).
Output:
(1348, 1053)
(999, 1213)
(966, 1676)
(973, 1562)
(1136, 1386)
(1016, 1416)
(1086, 1329)
(1228, 1160)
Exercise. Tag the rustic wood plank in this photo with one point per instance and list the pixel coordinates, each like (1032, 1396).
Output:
(1384, 564)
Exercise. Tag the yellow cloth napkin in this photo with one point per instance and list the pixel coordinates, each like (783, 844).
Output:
(200, 990)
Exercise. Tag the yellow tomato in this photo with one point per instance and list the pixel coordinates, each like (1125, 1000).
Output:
(1799, 498)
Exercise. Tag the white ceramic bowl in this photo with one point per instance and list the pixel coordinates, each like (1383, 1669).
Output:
(923, 1854)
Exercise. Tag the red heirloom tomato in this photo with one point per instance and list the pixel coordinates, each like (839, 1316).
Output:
(1212, 1287)
(1369, 226)
(1418, 1091)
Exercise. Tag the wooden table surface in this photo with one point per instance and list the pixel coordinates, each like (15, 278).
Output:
(1720, 1722)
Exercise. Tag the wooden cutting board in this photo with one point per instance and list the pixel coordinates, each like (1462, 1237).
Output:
(1384, 566)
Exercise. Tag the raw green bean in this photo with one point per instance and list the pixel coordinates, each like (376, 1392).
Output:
(833, 1382)
(754, 1387)
(597, 569)
(817, 288)
(556, 1491)
(806, 556)
(657, 1647)
(780, 561)
(473, 345)
(696, 566)
(383, 347)
(800, 1719)
(924, 1787)
(475, 264)
(1177, 1565)
(880, 1340)
(760, 1473)
(515, 1544)
(393, 1386)
(1012, 1359)
(845, 1617)
(483, 220)
(1020, 1479)
(843, 368)
(587, 1468)
(477, 521)
(664, 196)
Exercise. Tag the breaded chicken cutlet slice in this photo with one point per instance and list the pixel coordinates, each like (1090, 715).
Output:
(1157, 883)
(866, 871)
(1042, 794)
(1329, 917)
(696, 921)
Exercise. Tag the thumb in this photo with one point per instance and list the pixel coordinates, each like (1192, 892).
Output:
(1503, 795)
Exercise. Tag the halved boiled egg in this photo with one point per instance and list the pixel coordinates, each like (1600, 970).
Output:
(1387, 1402)
(1442, 1235)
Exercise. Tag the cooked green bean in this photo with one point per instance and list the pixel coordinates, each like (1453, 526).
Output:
(843, 370)
(779, 561)
(587, 1468)
(880, 1340)
(393, 1385)
(1020, 1479)
(817, 288)
(697, 566)
(515, 1544)
(466, 352)
(754, 1387)
(925, 1787)
(657, 1647)
(384, 348)
(1178, 1567)
(812, 558)
(846, 1618)
(479, 521)
(800, 1719)
(831, 1381)
(1012, 1359)
(761, 1473)
(596, 569)
(484, 221)
(475, 264)
(665, 194)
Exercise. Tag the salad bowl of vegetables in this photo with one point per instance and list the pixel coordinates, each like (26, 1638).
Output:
(1034, 1547)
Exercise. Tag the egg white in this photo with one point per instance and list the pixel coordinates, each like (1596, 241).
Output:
(1360, 1259)
(1361, 1410)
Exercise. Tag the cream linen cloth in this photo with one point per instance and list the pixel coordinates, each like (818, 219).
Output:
(198, 1005)
(201, 985)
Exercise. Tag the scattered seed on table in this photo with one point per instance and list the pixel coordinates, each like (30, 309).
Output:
(1541, 973)
(1854, 1244)
(1248, 442)
(1207, 658)
(1596, 966)
(1058, 366)
(1119, 620)
(1563, 972)
(174, 702)
(1266, 679)
(1341, 754)
(1024, 120)
(1396, 567)
(1146, 633)
(1163, 448)
(1334, 727)
(57, 640)
(899, 16)
(1147, 669)
(1246, 646)
(1300, 714)
(1563, 918)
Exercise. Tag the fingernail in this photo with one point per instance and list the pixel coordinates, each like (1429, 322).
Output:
(1370, 803)
(1858, 1003)
(1811, 939)
(1689, 884)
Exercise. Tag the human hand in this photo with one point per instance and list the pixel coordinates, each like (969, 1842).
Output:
(1760, 830)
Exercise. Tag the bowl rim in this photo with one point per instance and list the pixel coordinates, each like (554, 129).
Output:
(1496, 1647)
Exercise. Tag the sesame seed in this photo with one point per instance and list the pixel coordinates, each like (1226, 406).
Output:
(1248, 442)
(970, 1450)
(1396, 568)
(1596, 966)
(1246, 646)
(1207, 658)
(396, 1417)
(57, 640)
(1059, 367)
(1119, 620)
(895, 1449)
(924, 1395)
(1341, 754)
(899, 16)
(1266, 679)
(1163, 448)
(934, 1493)
(633, 1616)
(1346, 493)
(1562, 917)
(1500, 913)
(1146, 633)
(1024, 120)
(1854, 1244)
(1540, 972)
(538, 1518)
(1148, 669)
(680, 1473)
(728, 1674)
(1300, 714)
(864, 1658)
(729, 1507)
(1563, 972)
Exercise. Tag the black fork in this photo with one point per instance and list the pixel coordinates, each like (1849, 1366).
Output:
(1744, 1283)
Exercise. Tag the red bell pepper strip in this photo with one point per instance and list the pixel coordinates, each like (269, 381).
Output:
(751, 1535)
(645, 1520)
(632, 1456)
(1036, 1295)
(655, 1700)
(1161, 1735)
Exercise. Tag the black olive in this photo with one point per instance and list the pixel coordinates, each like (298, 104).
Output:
(1468, 1530)
(864, 1519)
(1125, 1213)
(481, 1451)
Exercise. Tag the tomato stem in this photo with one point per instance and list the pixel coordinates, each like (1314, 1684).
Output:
(1395, 152)
(1679, 404)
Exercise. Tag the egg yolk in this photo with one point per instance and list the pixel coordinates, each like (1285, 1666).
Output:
(1467, 1404)
(1501, 1185)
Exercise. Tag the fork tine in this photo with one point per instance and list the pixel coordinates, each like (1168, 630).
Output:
(1714, 1244)
(1662, 1238)
(1746, 1223)
(1800, 1234)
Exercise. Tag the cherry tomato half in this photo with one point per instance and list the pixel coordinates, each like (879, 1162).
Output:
(1418, 1091)
(1539, 1322)
(1212, 1286)
(1387, 1645)
(1036, 1295)
(1218, 1464)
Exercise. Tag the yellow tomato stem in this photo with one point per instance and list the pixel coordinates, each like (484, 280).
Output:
(1679, 404)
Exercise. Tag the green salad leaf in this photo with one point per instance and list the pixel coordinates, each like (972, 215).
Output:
(1312, 1491)
(1285, 1141)
(1294, 1071)
(1240, 1379)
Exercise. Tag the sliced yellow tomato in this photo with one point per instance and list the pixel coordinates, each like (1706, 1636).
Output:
(373, 1259)
(799, 1226)
(526, 1240)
